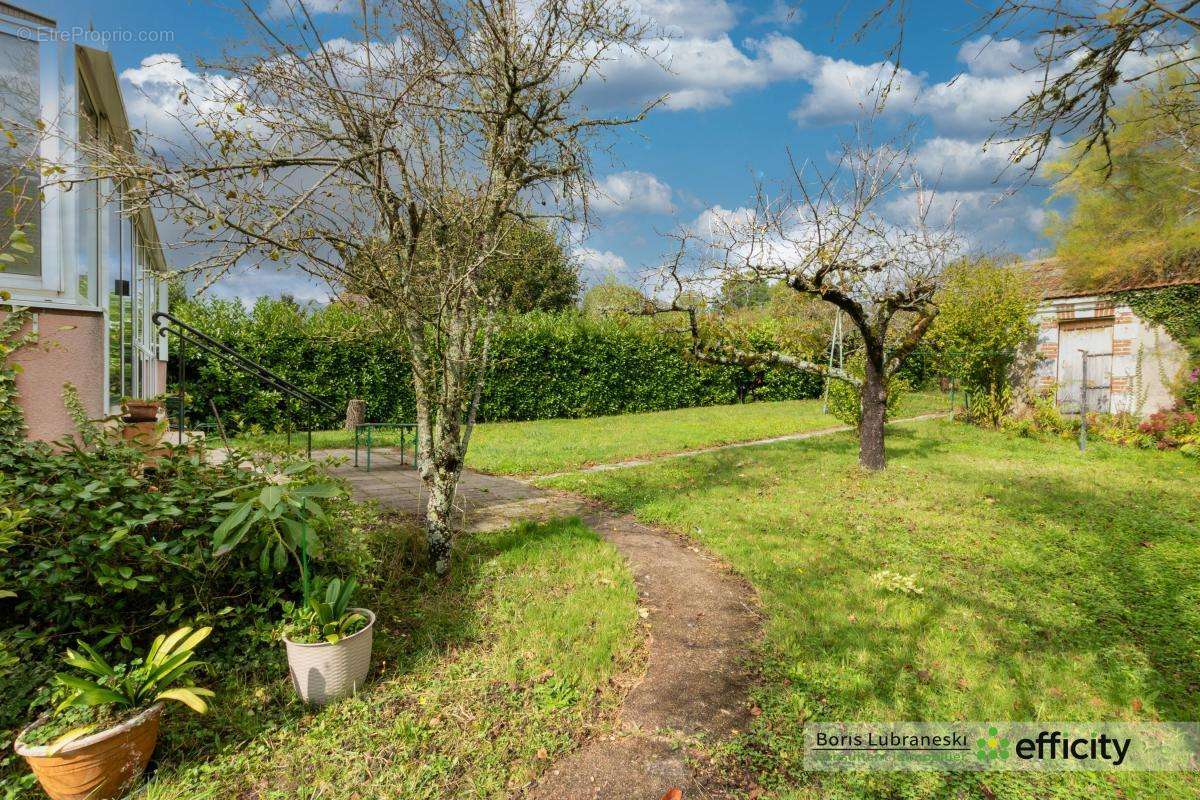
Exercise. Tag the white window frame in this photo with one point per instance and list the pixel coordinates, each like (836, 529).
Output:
(57, 222)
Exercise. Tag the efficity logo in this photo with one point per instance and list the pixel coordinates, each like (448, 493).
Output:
(1053, 745)
(1002, 746)
(992, 747)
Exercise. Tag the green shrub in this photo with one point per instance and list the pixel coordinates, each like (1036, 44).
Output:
(985, 317)
(544, 366)
(107, 550)
(845, 400)
(12, 339)
(1187, 388)
(1040, 417)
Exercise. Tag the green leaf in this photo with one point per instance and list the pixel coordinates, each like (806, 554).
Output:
(187, 696)
(294, 529)
(231, 522)
(171, 677)
(195, 639)
(321, 490)
(160, 671)
(168, 644)
(89, 693)
(270, 496)
(77, 683)
(62, 741)
(78, 661)
(233, 541)
(316, 510)
(279, 560)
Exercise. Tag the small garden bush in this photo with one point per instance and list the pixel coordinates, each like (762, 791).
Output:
(1164, 430)
(102, 546)
(1188, 389)
(106, 546)
(1041, 416)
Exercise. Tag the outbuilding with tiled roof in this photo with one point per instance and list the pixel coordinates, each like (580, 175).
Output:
(1095, 352)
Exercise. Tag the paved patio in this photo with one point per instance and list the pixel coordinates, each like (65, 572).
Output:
(483, 501)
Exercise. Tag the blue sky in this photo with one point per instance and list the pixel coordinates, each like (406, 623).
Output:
(749, 81)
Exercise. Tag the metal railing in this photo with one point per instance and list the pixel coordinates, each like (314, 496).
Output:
(187, 335)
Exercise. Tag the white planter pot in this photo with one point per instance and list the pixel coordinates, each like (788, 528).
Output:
(324, 672)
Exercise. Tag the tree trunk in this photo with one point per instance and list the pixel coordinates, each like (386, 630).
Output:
(440, 484)
(356, 414)
(874, 409)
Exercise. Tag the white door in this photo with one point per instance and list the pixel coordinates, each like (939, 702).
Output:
(1094, 336)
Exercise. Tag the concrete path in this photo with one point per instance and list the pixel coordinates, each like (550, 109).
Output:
(701, 622)
(791, 437)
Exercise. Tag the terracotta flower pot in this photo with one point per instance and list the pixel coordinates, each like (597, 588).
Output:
(102, 766)
(141, 410)
(324, 672)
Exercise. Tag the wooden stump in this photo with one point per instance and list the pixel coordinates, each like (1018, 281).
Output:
(356, 414)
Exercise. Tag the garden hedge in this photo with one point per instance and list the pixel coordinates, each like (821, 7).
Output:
(544, 365)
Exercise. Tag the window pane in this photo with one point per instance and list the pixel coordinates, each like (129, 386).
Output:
(120, 313)
(19, 182)
(87, 205)
(113, 229)
(149, 298)
(126, 289)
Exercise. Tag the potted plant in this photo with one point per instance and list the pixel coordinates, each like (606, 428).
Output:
(99, 739)
(328, 643)
(137, 410)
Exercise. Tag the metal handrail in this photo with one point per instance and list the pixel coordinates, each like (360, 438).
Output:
(168, 324)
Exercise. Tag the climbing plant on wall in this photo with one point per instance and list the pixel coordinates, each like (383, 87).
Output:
(1176, 308)
(12, 338)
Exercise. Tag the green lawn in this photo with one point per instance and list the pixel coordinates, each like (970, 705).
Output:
(1054, 586)
(555, 445)
(478, 683)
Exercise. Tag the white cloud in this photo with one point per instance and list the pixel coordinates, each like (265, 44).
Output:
(697, 73)
(969, 104)
(995, 58)
(154, 98)
(714, 223)
(249, 285)
(988, 220)
(843, 91)
(972, 104)
(632, 191)
(947, 163)
(596, 264)
(689, 17)
(782, 14)
(284, 8)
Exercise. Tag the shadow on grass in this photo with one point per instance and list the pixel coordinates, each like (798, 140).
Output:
(1052, 568)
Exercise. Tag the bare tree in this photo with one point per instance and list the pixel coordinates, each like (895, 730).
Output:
(392, 167)
(827, 235)
(1084, 53)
